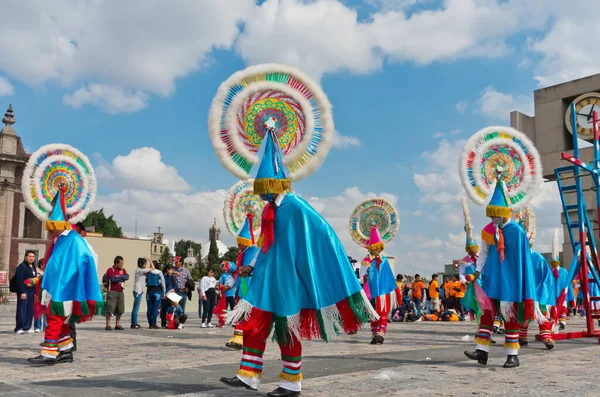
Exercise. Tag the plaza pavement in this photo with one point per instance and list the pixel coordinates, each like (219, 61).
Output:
(417, 359)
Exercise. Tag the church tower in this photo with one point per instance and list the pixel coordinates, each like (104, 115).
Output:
(214, 231)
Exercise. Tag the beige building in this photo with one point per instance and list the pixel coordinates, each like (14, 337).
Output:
(158, 246)
(550, 129)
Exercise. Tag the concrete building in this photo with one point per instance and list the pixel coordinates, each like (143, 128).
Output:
(550, 129)
(158, 245)
(20, 230)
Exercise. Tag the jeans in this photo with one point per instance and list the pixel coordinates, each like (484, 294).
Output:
(200, 308)
(137, 300)
(207, 307)
(164, 306)
(25, 311)
(153, 303)
(183, 300)
(37, 323)
(428, 307)
(417, 302)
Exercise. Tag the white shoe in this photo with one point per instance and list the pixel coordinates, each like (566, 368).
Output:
(209, 325)
(30, 331)
(20, 332)
(37, 330)
(203, 325)
(180, 326)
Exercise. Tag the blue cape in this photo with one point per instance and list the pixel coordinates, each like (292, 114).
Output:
(546, 282)
(513, 280)
(305, 268)
(71, 273)
(382, 281)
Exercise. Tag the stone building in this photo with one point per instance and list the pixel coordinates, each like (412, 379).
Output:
(158, 245)
(20, 230)
(550, 130)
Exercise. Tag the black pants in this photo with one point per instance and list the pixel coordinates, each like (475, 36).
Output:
(73, 333)
(454, 303)
(24, 316)
(164, 306)
(230, 302)
(207, 308)
(180, 320)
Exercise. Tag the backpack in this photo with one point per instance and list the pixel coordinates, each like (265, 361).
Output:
(152, 280)
(105, 280)
(13, 284)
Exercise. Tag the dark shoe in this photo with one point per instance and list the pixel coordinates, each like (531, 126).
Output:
(108, 328)
(137, 326)
(495, 329)
(235, 382)
(235, 346)
(64, 357)
(493, 342)
(41, 360)
(154, 327)
(501, 331)
(561, 326)
(281, 392)
(373, 341)
(511, 362)
(119, 328)
(549, 343)
(523, 342)
(378, 339)
(479, 355)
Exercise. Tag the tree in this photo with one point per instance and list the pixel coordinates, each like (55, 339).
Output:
(182, 246)
(213, 253)
(107, 226)
(231, 255)
(166, 258)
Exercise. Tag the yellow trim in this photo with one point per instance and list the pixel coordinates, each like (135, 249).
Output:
(244, 241)
(290, 378)
(53, 353)
(484, 342)
(260, 241)
(249, 374)
(57, 225)
(237, 339)
(514, 345)
(272, 185)
(554, 261)
(376, 246)
(488, 237)
(498, 212)
(65, 342)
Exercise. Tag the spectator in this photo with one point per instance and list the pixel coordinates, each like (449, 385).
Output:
(170, 286)
(417, 293)
(406, 294)
(446, 289)
(138, 288)
(40, 323)
(209, 296)
(459, 289)
(226, 284)
(399, 279)
(434, 293)
(175, 316)
(26, 295)
(155, 292)
(115, 299)
(182, 276)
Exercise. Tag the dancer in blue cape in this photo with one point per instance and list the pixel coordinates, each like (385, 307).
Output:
(303, 286)
(507, 277)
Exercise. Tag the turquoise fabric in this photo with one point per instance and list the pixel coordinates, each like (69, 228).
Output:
(242, 283)
(513, 280)
(70, 273)
(381, 281)
(270, 165)
(546, 282)
(305, 268)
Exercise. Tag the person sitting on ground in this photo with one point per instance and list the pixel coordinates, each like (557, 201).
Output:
(175, 316)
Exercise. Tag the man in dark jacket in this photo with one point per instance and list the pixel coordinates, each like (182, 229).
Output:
(26, 295)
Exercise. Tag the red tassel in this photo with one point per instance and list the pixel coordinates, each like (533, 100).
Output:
(250, 225)
(257, 319)
(309, 324)
(268, 226)
(220, 310)
(349, 320)
(398, 297)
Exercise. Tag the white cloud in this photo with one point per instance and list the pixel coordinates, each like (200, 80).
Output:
(113, 99)
(497, 105)
(462, 106)
(344, 141)
(6, 88)
(141, 169)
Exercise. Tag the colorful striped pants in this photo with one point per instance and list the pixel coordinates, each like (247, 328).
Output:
(251, 365)
(484, 333)
(382, 305)
(57, 336)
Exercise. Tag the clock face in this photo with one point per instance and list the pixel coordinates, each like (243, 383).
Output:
(585, 105)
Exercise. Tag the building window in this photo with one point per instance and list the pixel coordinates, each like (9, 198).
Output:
(161, 249)
(32, 226)
(155, 249)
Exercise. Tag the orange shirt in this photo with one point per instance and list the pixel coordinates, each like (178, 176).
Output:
(417, 289)
(448, 289)
(459, 294)
(433, 290)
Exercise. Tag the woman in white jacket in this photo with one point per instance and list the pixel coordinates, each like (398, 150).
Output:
(208, 294)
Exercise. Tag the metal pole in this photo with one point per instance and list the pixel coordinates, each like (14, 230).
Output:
(582, 237)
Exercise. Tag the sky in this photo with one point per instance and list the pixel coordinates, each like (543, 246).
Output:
(409, 81)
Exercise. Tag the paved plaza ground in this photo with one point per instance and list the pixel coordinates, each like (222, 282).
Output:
(417, 359)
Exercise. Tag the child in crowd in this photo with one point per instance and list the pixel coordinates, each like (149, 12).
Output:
(175, 316)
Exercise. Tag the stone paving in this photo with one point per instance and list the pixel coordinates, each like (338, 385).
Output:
(418, 359)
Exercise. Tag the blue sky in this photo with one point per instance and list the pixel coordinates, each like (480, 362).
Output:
(406, 78)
